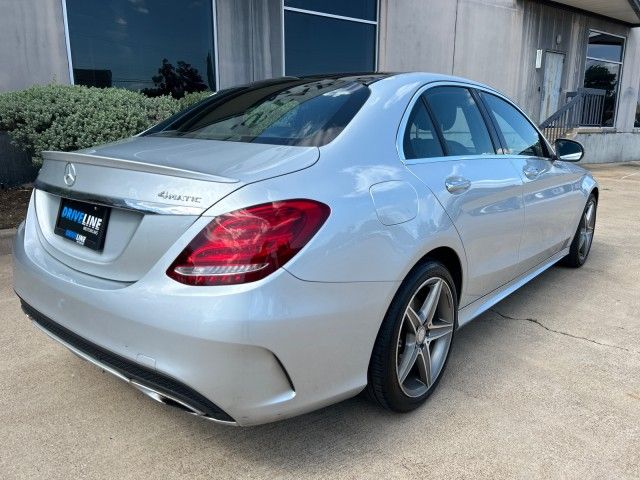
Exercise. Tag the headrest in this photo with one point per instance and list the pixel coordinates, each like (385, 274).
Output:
(421, 120)
(446, 111)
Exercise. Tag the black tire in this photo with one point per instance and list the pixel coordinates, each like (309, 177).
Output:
(578, 253)
(384, 386)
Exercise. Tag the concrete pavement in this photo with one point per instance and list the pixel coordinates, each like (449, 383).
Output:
(545, 385)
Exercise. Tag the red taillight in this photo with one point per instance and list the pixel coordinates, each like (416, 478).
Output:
(249, 244)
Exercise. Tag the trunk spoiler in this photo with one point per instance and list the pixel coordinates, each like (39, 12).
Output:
(87, 158)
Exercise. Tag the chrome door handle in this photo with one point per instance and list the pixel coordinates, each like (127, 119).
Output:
(457, 184)
(531, 172)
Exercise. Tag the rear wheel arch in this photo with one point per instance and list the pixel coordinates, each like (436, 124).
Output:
(446, 256)
(451, 260)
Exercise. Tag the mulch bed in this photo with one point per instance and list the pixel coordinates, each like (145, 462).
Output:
(13, 206)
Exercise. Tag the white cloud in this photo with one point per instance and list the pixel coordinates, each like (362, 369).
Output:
(139, 6)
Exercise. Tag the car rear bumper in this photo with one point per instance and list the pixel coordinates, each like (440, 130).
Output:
(153, 384)
(245, 354)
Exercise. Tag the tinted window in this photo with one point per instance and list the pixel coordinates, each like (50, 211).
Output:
(159, 46)
(296, 112)
(520, 137)
(602, 72)
(462, 125)
(605, 47)
(603, 76)
(420, 139)
(364, 9)
(637, 122)
(316, 44)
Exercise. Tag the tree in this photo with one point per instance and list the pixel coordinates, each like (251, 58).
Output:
(599, 76)
(176, 81)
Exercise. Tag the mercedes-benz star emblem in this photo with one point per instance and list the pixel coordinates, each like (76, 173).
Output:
(69, 174)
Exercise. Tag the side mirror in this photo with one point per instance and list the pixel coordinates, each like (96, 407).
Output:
(568, 150)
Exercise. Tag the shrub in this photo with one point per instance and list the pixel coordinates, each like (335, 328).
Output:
(70, 117)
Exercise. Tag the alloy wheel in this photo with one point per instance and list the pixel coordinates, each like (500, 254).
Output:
(587, 227)
(425, 336)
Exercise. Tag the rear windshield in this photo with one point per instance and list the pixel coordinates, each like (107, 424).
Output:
(293, 112)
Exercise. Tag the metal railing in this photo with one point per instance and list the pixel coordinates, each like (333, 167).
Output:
(584, 108)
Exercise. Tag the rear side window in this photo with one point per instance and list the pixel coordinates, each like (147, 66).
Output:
(519, 136)
(457, 114)
(420, 139)
(295, 112)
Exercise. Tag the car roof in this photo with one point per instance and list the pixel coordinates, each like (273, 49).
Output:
(368, 78)
(371, 77)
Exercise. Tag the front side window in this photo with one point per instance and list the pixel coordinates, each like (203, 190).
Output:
(460, 121)
(519, 136)
(603, 69)
(329, 36)
(420, 139)
(159, 47)
(292, 112)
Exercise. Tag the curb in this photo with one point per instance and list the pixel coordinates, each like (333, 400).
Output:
(6, 240)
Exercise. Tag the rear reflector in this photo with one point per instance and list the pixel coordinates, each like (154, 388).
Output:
(248, 244)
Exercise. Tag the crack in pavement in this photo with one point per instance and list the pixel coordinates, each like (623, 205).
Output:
(578, 337)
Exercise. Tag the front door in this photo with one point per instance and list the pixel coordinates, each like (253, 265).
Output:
(552, 84)
(551, 202)
(549, 193)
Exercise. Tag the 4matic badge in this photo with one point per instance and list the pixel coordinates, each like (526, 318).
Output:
(179, 198)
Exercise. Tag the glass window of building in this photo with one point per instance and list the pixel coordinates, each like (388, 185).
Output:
(603, 70)
(156, 46)
(331, 36)
(637, 122)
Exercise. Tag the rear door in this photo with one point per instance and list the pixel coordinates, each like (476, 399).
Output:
(449, 146)
(551, 193)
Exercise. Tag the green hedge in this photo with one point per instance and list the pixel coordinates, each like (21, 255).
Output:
(66, 117)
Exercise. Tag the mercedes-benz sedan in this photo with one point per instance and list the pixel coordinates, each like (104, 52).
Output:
(285, 245)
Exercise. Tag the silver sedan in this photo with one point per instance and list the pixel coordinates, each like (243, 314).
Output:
(284, 245)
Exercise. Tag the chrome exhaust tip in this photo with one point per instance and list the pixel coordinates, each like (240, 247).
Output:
(166, 399)
(172, 401)
(153, 394)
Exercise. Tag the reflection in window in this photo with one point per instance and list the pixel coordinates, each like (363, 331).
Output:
(420, 140)
(292, 112)
(317, 43)
(362, 9)
(605, 47)
(602, 70)
(520, 137)
(637, 122)
(156, 46)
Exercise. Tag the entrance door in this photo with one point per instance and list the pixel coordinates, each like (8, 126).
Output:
(552, 84)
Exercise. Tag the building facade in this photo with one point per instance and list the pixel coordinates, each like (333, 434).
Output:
(580, 57)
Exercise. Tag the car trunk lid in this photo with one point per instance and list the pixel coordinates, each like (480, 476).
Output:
(155, 187)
